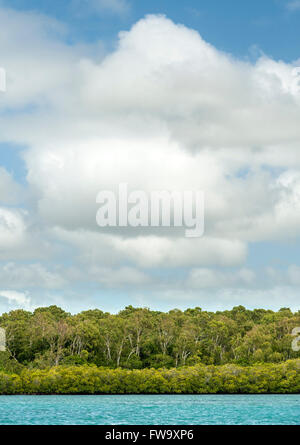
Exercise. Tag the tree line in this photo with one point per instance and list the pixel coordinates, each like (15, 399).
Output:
(139, 338)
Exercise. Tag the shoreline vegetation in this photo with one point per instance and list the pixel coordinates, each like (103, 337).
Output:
(139, 351)
(281, 378)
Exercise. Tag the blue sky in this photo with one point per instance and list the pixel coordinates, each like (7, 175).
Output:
(241, 28)
(194, 94)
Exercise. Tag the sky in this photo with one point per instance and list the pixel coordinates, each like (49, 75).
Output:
(162, 95)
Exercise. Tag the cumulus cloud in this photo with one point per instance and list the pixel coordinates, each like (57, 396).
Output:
(164, 111)
(153, 251)
(21, 298)
(183, 104)
(209, 278)
(12, 228)
(30, 276)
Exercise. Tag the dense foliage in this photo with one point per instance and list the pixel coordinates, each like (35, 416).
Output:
(199, 379)
(139, 338)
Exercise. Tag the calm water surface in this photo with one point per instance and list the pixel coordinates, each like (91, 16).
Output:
(151, 410)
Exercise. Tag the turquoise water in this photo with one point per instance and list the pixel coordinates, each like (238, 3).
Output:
(151, 410)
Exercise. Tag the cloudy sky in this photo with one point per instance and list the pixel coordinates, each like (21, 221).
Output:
(197, 95)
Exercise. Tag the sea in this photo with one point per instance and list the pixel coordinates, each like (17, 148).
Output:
(150, 410)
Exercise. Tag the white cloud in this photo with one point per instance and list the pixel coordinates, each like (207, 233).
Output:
(153, 251)
(12, 228)
(163, 252)
(182, 104)
(209, 278)
(22, 238)
(164, 111)
(10, 191)
(115, 6)
(118, 277)
(294, 275)
(29, 45)
(21, 298)
(30, 276)
(293, 5)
